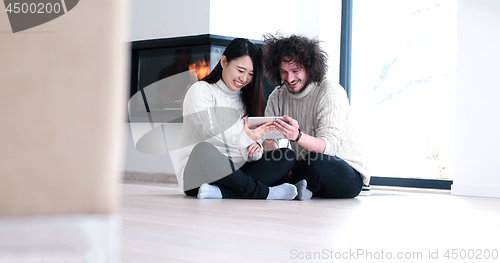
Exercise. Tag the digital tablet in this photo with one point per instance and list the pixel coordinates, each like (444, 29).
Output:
(254, 122)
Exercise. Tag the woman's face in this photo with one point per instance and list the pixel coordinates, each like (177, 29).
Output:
(237, 73)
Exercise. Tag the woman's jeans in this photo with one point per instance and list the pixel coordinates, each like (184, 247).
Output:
(207, 165)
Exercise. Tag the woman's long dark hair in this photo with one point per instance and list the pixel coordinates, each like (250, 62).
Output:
(252, 94)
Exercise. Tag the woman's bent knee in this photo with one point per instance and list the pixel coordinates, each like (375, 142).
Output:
(204, 147)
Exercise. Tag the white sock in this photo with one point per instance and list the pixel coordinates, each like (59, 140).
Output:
(284, 191)
(303, 192)
(208, 191)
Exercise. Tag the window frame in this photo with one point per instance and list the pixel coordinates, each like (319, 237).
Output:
(345, 81)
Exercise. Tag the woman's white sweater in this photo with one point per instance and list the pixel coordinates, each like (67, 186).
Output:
(213, 113)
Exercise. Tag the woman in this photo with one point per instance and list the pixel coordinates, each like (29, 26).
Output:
(216, 138)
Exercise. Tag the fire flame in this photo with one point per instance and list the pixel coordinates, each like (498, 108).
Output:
(201, 69)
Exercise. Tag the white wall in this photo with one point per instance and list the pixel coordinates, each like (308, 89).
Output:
(250, 19)
(330, 18)
(146, 163)
(151, 19)
(478, 93)
(312, 18)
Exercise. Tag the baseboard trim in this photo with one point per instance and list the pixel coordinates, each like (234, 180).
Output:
(478, 191)
(150, 177)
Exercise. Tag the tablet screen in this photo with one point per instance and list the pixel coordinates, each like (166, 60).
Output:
(254, 122)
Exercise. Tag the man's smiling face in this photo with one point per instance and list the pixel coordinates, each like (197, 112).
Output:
(293, 75)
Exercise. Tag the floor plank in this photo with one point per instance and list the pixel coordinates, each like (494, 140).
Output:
(160, 224)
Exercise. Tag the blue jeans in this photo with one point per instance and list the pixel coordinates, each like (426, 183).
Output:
(328, 176)
(207, 165)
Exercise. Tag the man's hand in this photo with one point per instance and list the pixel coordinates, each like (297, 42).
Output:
(269, 145)
(290, 130)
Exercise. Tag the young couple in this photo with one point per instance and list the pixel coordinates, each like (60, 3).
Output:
(223, 158)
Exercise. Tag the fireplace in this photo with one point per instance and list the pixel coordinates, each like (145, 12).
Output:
(162, 69)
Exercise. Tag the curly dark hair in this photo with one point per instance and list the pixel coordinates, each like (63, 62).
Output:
(300, 49)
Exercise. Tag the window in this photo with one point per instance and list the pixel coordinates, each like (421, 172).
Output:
(403, 85)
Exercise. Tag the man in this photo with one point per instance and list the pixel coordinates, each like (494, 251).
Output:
(317, 111)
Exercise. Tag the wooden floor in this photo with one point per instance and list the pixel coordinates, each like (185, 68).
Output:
(160, 224)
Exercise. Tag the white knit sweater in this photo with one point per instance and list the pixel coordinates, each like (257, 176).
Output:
(213, 113)
(322, 111)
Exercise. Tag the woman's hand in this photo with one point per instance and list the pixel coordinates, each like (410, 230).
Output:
(253, 148)
(290, 130)
(255, 134)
